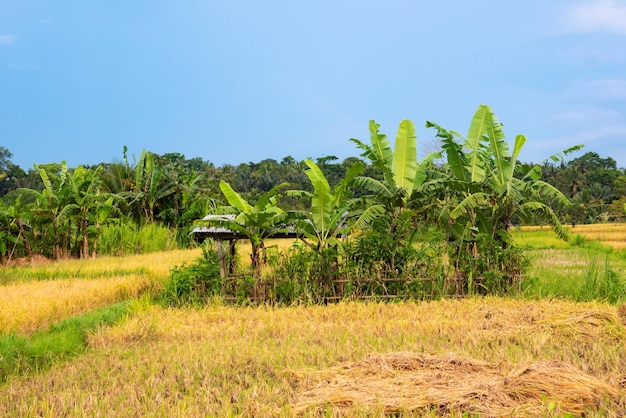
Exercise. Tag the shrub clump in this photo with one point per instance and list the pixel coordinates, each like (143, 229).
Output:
(195, 283)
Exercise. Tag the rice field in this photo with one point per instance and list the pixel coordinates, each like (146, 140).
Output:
(33, 297)
(349, 359)
(32, 306)
(610, 234)
(539, 354)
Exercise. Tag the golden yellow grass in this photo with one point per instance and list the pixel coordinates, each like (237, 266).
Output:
(613, 234)
(31, 306)
(81, 286)
(410, 382)
(539, 357)
(156, 264)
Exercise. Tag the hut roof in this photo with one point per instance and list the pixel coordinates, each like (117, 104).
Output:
(200, 233)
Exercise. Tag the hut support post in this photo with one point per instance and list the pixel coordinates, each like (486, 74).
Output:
(220, 255)
(232, 249)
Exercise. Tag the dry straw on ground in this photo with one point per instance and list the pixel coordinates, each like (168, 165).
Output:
(408, 382)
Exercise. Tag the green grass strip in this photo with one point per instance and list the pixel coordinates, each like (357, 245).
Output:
(62, 341)
(25, 274)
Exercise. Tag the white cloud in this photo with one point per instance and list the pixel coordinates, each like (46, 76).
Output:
(586, 114)
(598, 16)
(605, 140)
(600, 89)
(7, 39)
(598, 134)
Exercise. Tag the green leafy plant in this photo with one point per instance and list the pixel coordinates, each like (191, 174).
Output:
(484, 192)
(256, 222)
(192, 284)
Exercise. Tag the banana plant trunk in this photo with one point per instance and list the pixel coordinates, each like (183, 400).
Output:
(255, 257)
(85, 251)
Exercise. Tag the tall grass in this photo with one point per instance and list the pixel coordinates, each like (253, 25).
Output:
(129, 238)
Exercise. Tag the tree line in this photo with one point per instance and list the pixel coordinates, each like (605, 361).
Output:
(59, 211)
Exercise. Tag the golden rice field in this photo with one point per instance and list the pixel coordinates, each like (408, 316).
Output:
(491, 357)
(74, 287)
(31, 306)
(613, 234)
(483, 356)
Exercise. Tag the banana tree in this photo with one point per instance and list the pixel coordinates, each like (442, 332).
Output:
(48, 204)
(150, 185)
(329, 219)
(89, 206)
(402, 173)
(255, 222)
(483, 172)
(14, 218)
(330, 208)
(485, 190)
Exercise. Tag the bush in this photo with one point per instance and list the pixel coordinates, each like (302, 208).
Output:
(195, 283)
(487, 266)
(298, 275)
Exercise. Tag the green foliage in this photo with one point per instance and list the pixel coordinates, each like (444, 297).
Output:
(331, 208)
(194, 283)
(126, 238)
(66, 339)
(485, 266)
(483, 197)
(602, 284)
(303, 275)
(253, 221)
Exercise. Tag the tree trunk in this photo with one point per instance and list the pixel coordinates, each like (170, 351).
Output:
(85, 251)
(256, 268)
(29, 251)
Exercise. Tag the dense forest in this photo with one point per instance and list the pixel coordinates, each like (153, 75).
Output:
(59, 211)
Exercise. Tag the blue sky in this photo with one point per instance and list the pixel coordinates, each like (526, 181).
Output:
(237, 81)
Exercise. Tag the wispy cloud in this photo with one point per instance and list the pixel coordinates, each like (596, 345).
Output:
(606, 140)
(609, 89)
(7, 39)
(602, 133)
(586, 114)
(598, 16)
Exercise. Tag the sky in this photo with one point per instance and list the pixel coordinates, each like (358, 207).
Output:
(238, 81)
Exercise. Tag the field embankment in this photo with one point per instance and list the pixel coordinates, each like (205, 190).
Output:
(610, 234)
